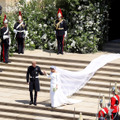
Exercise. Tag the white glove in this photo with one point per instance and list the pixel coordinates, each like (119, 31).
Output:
(65, 33)
(110, 111)
(5, 37)
(26, 33)
(9, 40)
(15, 31)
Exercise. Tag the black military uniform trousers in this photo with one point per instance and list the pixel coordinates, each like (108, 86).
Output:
(5, 48)
(34, 85)
(115, 116)
(20, 45)
(31, 96)
(60, 41)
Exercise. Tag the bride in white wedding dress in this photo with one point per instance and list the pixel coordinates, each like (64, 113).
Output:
(56, 95)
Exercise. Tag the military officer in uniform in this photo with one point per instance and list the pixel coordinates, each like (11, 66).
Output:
(20, 30)
(60, 30)
(33, 81)
(115, 103)
(6, 40)
(103, 113)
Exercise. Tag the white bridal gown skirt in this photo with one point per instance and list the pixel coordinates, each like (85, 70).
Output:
(57, 98)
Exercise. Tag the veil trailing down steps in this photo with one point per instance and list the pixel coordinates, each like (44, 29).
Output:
(72, 82)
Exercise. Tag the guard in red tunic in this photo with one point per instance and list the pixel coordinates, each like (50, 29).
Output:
(103, 113)
(6, 40)
(60, 30)
(115, 103)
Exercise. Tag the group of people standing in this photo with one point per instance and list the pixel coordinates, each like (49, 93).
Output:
(112, 111)
(20, 30)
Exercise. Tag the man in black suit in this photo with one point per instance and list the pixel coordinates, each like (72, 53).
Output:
(33, 81)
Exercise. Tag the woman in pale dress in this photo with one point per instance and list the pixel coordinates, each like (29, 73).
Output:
(56, 95)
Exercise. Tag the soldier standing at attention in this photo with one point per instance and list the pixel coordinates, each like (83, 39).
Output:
(6, 40)
(21, 32)
(61, 31)
(115, 103)
(33, 81)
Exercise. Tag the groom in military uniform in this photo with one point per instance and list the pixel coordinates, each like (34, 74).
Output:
(60, 30)
(33, 81)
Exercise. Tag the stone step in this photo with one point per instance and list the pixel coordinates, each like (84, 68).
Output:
(13, 79)
(107, 78)
(47, 62)
(46, 81)
(23, 71)
(73, 59)
(91, 90)
(40, 111)
(90, 86)
(51, 58)
(65, 64)
(93, 94)
(17, 65)
(95, 77)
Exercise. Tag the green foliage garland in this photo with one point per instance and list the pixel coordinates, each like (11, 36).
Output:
(86, 19)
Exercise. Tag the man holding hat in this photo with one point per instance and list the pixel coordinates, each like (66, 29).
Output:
(60, 30)
(6, 40)
(21, 32)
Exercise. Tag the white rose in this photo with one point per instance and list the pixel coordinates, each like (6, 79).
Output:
(27, 45)
(40, 25)
(44, 36)
(31, 42)
(79, 8)
(45, 25)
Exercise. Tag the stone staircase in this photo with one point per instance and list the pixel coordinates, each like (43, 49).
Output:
(14, 94)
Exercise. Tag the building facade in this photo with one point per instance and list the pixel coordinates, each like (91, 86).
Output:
(8, 5)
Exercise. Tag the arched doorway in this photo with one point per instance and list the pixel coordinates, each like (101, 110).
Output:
(114, 23)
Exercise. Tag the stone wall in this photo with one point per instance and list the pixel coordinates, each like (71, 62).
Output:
(8, 5)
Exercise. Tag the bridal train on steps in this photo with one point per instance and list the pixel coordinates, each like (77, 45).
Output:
(65, 83)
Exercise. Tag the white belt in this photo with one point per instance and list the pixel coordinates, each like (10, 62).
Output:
(33, 77)
(5, 37)
(20, 31)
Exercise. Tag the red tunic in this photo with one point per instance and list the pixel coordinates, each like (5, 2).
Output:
(103, 112)
(114, 106)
